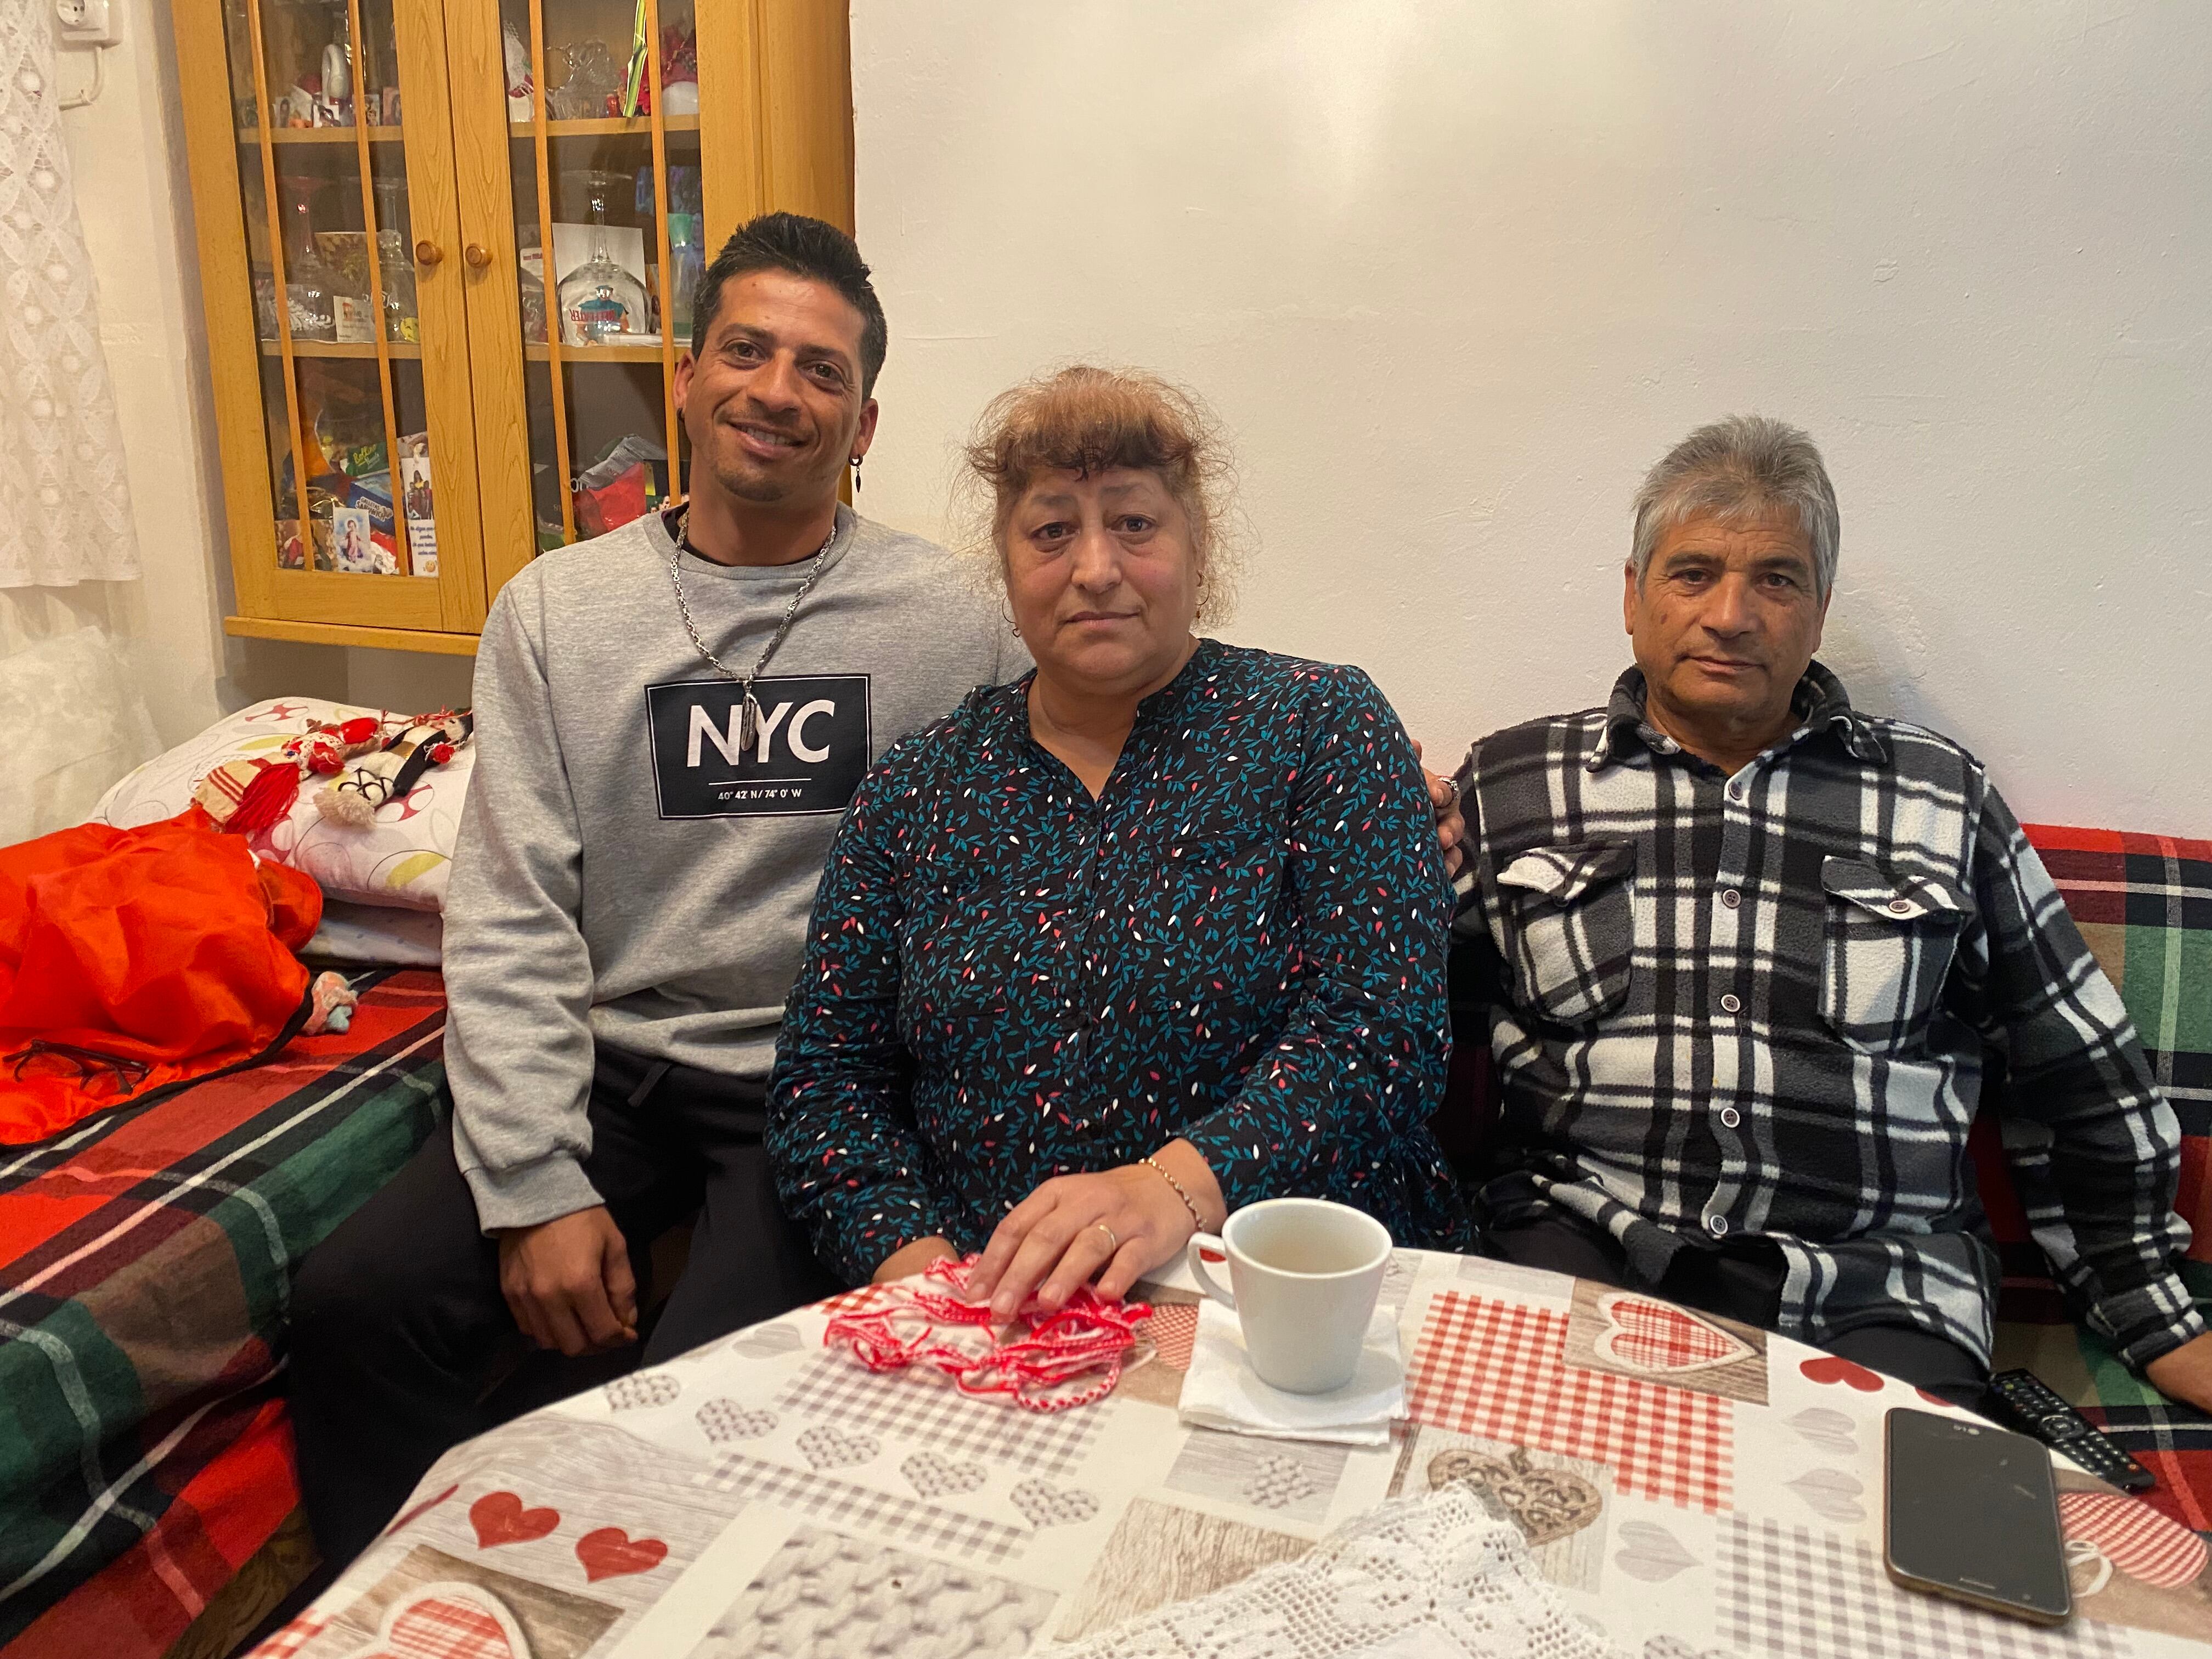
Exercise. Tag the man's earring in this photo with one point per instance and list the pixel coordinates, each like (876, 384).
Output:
(856, 474)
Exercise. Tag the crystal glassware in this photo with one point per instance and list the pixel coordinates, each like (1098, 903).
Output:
(580, 80)
(391, 203)
(397, 274)
(306, 284)
(395, 269)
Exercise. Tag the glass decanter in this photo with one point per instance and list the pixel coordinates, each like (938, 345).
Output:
(397, 272)
(600, 298)
(395, 267)
(308, 285)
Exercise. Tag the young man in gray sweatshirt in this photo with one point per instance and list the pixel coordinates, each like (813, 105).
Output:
(671, 719)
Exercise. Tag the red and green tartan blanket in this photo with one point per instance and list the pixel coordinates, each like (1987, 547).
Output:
(146, 1262)
(2145, 904)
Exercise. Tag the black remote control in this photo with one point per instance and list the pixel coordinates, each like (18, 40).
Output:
(2036, 1409)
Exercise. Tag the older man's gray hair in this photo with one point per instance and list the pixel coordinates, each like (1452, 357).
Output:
(1738, 468)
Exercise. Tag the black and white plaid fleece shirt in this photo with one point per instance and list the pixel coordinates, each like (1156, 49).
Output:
(1761, 1006)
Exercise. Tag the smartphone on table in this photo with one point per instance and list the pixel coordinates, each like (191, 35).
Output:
(1973, 1514)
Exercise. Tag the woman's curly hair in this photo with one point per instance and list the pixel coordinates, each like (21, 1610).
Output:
(1086, 419)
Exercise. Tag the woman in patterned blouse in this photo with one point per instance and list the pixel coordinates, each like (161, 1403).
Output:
(1150, 933)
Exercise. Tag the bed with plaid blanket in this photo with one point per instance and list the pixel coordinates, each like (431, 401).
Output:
(146, 1261)
(2144, 903)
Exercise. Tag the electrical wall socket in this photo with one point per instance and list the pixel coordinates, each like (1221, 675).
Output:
(88, 22)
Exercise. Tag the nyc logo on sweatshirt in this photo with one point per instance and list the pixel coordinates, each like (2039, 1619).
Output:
(808, 755)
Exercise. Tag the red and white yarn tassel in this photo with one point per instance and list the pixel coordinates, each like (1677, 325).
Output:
(1067, 1357)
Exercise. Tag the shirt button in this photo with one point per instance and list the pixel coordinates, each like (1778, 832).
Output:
(1730, 897)
(1717, 1225)
(1731, 1118)
(1731, 1004)
(1900, 906)
(1736, 792)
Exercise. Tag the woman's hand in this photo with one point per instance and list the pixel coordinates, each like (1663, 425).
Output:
(1117, 1226)
(910, 1259)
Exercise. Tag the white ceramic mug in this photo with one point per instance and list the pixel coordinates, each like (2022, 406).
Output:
(1303, 1274)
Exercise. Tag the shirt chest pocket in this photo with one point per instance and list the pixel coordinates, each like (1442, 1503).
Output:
(1571, 916)
(1887, 951)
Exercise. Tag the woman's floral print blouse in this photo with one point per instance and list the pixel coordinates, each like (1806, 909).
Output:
(1240, 942)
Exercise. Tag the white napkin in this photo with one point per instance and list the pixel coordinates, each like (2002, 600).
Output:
(1222, 1391)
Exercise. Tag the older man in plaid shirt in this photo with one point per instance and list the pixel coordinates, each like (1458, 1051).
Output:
(1747, 956)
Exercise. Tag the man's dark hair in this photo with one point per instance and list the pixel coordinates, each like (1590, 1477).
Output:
(805, 247)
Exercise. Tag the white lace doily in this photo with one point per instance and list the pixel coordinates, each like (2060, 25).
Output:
(64, 507)
(1434, 1578)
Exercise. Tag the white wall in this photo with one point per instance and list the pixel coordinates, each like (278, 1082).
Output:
(1455, 273)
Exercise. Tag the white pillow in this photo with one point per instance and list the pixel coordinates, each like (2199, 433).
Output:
(401, 860)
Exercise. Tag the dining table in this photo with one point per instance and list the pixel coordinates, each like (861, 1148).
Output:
(1691, 1487)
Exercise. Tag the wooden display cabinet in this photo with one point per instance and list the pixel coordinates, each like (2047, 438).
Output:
(383, 254)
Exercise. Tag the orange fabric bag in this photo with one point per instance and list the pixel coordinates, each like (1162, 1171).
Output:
(157, 955)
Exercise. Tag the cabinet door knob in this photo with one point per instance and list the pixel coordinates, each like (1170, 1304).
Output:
(478, 255)
(428, 252)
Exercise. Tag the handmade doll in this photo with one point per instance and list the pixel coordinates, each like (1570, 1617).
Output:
(388, 774)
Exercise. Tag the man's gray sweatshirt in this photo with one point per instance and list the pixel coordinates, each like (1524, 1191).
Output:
(626, 873)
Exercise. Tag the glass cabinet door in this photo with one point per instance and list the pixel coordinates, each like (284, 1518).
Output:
(344, 185)
(589, 121)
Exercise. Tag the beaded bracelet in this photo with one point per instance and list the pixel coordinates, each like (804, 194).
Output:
(1197, 1220)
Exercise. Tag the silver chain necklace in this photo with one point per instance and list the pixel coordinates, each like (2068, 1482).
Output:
(749, 714)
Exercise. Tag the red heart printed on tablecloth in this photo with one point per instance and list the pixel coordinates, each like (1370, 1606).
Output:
(610, 1552)
(450, 1621)
(1654, 1337)
(1831, 1368)
(500, 1518)
(2134, 1537)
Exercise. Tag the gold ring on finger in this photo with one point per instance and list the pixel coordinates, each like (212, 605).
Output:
(1113, 1240)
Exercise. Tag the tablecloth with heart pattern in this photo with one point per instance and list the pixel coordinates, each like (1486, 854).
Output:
(1696, 1489)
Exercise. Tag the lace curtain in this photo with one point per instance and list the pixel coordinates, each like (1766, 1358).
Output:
(64, 507)
(71, 717)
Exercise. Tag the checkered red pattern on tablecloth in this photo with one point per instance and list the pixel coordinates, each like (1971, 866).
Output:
(1173, 1329)
(1498, 1369)
(847, 1302)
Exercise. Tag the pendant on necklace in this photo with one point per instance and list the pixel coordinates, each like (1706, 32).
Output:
(748, 723)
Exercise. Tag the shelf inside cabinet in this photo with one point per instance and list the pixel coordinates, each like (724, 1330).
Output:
(593, 353)
(603, 125)
(377, 134)
(342, 349)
